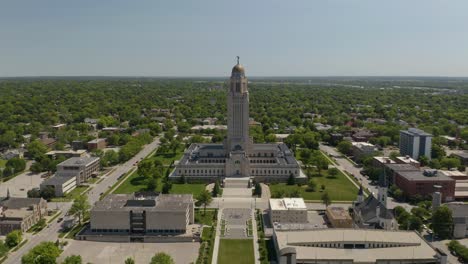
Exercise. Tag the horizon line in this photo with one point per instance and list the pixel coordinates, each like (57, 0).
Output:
(227, 76)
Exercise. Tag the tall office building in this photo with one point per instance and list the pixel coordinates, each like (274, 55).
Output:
(415, 143)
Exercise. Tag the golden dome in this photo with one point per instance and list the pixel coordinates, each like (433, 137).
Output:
(238, 68)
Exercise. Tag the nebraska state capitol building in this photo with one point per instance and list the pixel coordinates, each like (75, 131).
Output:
(238, 156)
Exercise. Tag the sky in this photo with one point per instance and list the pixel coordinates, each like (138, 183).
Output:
(201, 38)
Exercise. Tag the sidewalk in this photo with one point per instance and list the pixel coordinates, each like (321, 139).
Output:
(214, 260)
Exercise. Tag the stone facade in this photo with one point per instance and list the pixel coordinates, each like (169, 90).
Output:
(238, 156)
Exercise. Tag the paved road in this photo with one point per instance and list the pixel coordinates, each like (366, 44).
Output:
(51, 233)
(111, 178)
(346, 165)
(47, 234)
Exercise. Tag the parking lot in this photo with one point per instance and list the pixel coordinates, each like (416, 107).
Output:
(106, 252)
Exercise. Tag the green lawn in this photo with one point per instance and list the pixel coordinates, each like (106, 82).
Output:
(238, 251)
(167, 158)
(187, 188)
(2, 163)
(339, 188)
(205, 218)
(71, 195)
(134, 183)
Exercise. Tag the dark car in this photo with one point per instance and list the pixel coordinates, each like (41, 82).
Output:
(59, 220)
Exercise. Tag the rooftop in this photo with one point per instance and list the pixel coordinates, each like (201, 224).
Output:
(288, 204)
(338, 212)
(462, 154)
(401, 245)
(406, 159)
(19, 202)
(419, 176)
(401, 167)
(415, 132)
(127, 202)
(75, 161)
(97, 140)
(58, 152)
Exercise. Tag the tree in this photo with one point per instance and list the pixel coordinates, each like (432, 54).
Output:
(151, 183)
(205, 199)
(162, 258)
(80, 207)
(333, 172)
(36, 167)
(326, 200)
(3, 249)
(72, 259)
(442, 222)
(258, 189)
(166, 187)
(320, 162)
(17, 164)
(47, 193)
(291, 179)
(345, 147)
(312, 185)
(450, 163)
(13, 238)
(415, 223)
(36, 150)
(44, 253)
(216, 189)
(129, 261)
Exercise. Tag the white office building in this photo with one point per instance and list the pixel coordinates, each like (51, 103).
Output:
(415, 143)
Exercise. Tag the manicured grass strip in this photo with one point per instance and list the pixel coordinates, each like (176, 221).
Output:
(205, 218)
(2, 163)
(75, 231)
(75, 193)
(236, 251)
(54, 217)
(339, 188)
(20, 245)
(187, 188)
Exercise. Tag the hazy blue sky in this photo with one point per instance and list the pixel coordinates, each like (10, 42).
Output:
(202, 37)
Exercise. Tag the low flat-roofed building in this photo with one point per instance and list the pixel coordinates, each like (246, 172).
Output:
(98, 143)
(82, 168)
(214, 127)
(463, 156)
(61, 184)
(391, 169)
(422, 183)
(59, 126)
(454, 174)
(288, 210)
(408, 160)
(66, 153)
(380, 162)
(361, 149)
(281, 137)
(20, 213)
(353, 246)
(339, 217)
(142, 215)
(460, 219)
